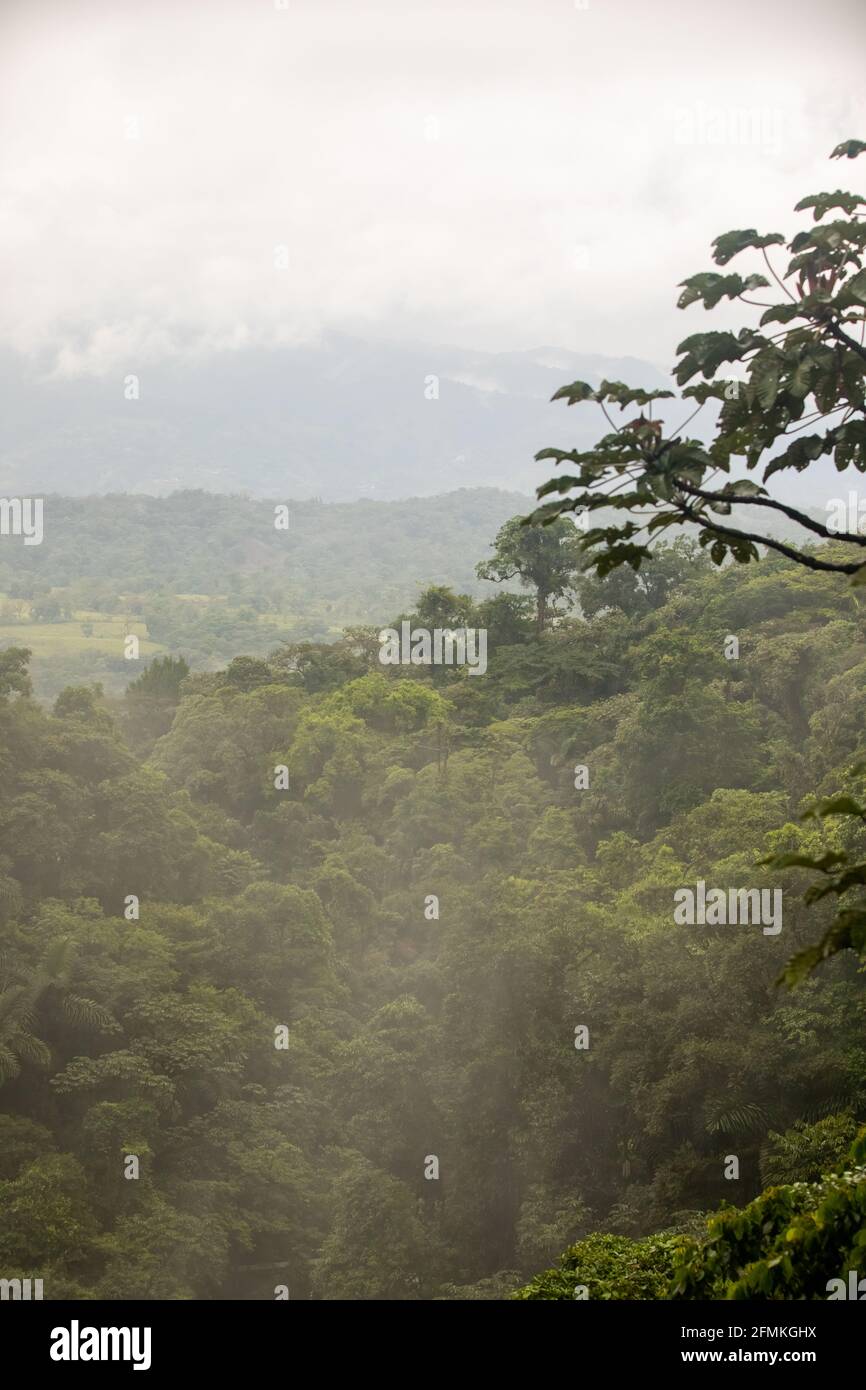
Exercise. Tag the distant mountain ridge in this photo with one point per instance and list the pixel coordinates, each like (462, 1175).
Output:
(339, 420)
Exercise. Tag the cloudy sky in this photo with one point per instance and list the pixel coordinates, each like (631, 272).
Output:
(195, 176)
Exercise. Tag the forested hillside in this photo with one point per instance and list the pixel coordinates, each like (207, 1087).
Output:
(374, 969)
(212, 577)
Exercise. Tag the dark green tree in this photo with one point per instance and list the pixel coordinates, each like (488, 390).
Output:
(542, 559)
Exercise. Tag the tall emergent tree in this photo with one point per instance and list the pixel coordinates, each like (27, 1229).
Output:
(791, 390)
(542, 559)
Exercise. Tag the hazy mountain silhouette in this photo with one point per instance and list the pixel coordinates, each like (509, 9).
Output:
(340, 420)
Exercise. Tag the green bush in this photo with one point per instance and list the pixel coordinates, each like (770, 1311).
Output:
(610, 1267)
(787, 1244)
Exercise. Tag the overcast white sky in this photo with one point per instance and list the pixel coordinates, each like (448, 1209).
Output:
(489, 174)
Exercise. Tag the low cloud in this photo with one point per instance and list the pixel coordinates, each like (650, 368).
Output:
(187, 178)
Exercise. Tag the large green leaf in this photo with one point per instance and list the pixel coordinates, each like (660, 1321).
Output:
(730, 244)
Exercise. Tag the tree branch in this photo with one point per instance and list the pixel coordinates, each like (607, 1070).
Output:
(801, 518)
(809, 561)
(780, 283)
(846, 339)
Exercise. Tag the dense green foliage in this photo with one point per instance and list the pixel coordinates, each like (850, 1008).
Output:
(790, 1243)
(413, 1035)
(608, 1267)
(797, 1241)
(770, 386)
(841, 874)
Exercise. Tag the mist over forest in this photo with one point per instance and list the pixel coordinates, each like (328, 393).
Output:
(431, 903)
